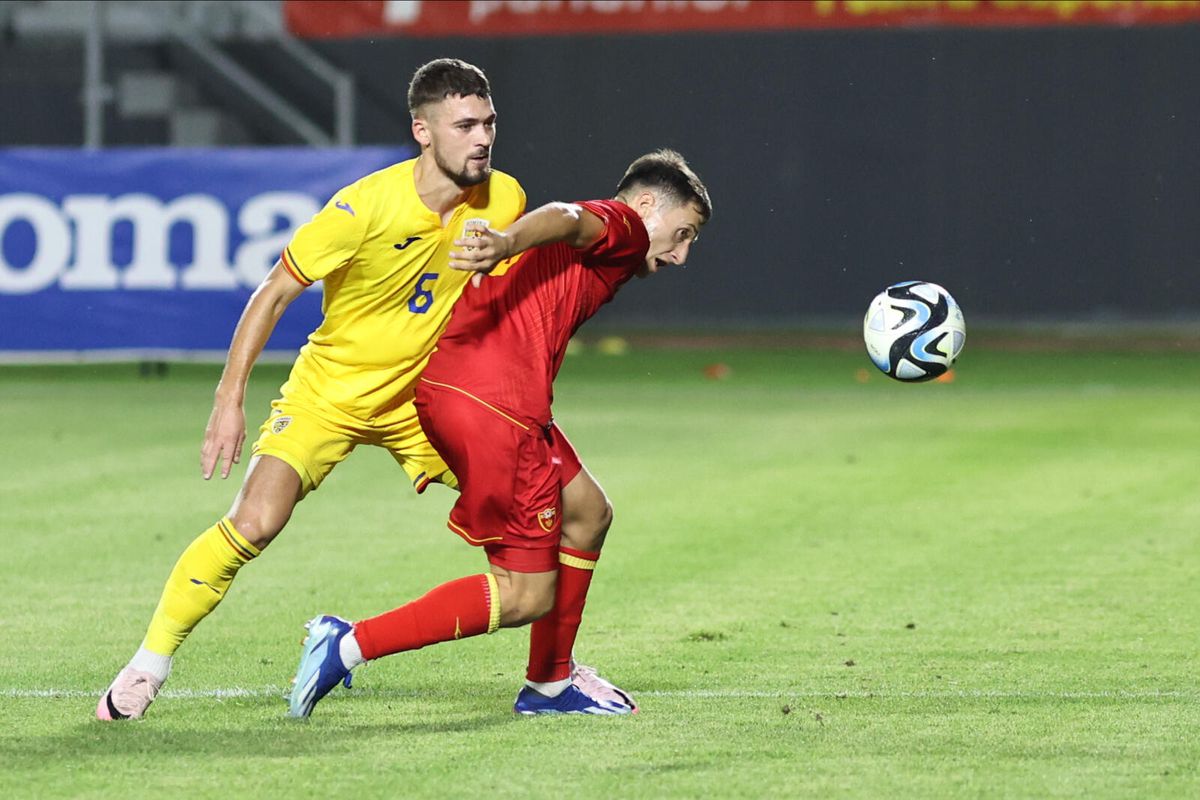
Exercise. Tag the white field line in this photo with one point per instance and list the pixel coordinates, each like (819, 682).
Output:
(717, 694)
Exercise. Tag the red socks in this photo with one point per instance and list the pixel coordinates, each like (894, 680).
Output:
(471, 606)
(552, 637)
(455, 610)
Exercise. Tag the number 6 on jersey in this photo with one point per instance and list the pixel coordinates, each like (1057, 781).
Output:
(422, 298)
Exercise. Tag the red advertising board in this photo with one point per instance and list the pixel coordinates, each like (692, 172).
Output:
(353, 18)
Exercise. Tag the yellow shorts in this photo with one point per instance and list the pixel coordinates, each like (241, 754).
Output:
(312, 437)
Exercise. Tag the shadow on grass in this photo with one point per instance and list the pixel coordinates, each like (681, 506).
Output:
(249, 729)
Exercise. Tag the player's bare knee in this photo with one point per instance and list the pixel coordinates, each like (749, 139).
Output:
(258, 527)
(525, 602)
(267, 498)
(531, 610)
(540, 603)
(515, 616)
(605, 520)
(597, 527)
(532, 607)
(586, 529)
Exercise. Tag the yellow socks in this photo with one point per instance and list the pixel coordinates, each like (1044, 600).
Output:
(197, 584)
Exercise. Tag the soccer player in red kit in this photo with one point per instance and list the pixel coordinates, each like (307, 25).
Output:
(484, 402)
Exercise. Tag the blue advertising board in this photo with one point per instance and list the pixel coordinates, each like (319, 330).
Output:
(153, 253)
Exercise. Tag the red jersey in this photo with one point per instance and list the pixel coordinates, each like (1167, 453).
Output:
(507, 337)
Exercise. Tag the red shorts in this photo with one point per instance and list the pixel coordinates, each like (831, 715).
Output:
(510, 474)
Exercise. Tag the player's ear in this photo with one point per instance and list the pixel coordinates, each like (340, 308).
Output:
(420, 131)
(644, 202)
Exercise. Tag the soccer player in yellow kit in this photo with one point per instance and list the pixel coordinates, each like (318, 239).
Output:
(381, 247)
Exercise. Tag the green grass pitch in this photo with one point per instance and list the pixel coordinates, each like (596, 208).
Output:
(815, 586)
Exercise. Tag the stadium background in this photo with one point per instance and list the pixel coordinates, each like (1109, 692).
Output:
(1037, 159)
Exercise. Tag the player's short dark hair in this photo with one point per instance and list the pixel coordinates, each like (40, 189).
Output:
(445, 77)
(668, 174)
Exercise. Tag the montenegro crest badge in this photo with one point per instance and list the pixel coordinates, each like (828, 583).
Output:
(546, 518)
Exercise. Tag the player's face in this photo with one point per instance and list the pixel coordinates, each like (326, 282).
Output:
(459, 132)
(672, 228)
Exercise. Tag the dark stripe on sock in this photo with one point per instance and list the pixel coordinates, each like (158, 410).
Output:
(237, 548)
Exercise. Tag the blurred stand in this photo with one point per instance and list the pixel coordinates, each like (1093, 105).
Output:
(173, 80)
(1039, 160)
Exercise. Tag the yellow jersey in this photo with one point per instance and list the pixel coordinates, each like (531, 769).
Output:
(384, 259)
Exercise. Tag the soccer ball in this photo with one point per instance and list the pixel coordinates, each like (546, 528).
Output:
(914, 331)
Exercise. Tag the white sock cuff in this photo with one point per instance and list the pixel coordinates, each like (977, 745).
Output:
(156, 664)
(551, 688)
(350, 652)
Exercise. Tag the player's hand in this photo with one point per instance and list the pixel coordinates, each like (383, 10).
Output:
(223, 439)
(480, 249)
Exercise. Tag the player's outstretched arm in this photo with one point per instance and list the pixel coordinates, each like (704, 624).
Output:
(226, 430)
(481, 248)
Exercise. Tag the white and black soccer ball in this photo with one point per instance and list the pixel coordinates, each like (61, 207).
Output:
(914, 331)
